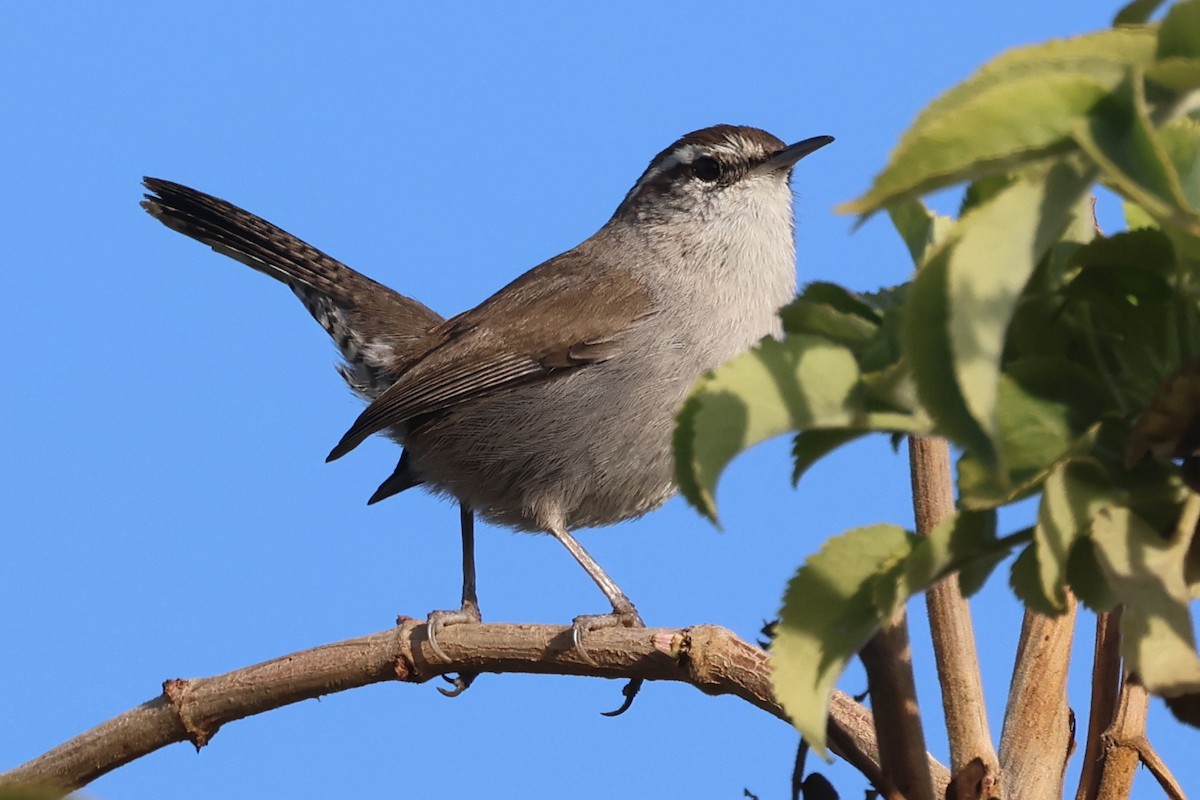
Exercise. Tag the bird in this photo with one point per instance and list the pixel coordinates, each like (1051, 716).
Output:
(550, 406)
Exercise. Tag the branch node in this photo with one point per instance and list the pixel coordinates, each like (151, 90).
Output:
(178, 692)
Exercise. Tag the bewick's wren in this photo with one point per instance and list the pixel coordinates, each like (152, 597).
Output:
(551, 405)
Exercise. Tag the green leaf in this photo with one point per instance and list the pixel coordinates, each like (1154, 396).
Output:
(842, 320)
(800, 383)
(920, 228)
(957, 541)
(1019, 108)
(1179, 33)
(925, 338)
(1180, 75)
(1027, 585)
(1087, 579)
(842, 299)
(991, 256)
(1145, 571)
(829, 612)
(1121, 139)
(1047, 408)
(1136, 217)
(973, 575)
(1180, 139)
(1136, 12)
(811, 446)
(1074, 492)
(963, 298)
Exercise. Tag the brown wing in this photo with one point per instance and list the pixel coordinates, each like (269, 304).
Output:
(560, 316)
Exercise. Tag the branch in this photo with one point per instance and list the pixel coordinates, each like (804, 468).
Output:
(1125, 744)
(887, 658)
(950, 625)
(1106, 680)
(1037, 737)
(1159, 769)
(712, 659)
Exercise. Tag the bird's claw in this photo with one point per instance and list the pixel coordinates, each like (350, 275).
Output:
(437, 620)
(595, 622)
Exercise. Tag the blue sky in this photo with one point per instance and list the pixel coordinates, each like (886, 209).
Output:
(166, 507)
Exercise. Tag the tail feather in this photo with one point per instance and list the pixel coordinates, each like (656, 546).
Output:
(371, 325)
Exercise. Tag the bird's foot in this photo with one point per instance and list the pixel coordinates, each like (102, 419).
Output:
(587, 623)
(437, 620)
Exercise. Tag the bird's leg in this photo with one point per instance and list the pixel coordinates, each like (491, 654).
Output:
(623, 612)
(469, 612)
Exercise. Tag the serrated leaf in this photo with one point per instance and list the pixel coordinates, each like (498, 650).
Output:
(807, 315)
(1019, 108)
(1027, 585)
(983, 190)
(842, 299)
(926, 341)
(990, 257)
(974, 574)
(958, 540)
(829, 612)
(1145, 571)
(804, 382)
(1087, 579)
(811, 446)
(1047, 407)
(1074, 492)
(1121, 139)
(920, 228)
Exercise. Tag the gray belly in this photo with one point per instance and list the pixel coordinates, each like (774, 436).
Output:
(592, 448)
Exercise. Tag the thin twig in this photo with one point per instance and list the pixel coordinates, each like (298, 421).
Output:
(1106, 680)
(1157, 767)
(950, 626)
(710, 658)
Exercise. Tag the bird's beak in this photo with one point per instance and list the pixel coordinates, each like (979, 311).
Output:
(787, 157)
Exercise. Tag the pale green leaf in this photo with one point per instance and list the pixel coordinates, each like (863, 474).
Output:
(829, 612)
(808, 316)
(1145, 569)
(920, 228)
(1027, 585)
(1020, 107)
(811, 446)
(973, 574)
(1087, 579)
(1074, 492)
(1136, 217)
(1121, 139)
(990, 256)
(926, 344)
(804, 382)
(955, 542)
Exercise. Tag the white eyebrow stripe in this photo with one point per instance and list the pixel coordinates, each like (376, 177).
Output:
(684, 155)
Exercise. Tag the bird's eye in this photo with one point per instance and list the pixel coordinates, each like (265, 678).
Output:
(706, 169)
